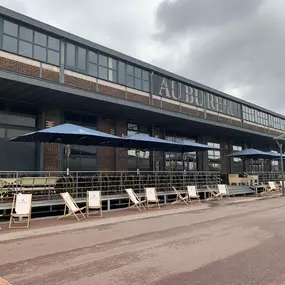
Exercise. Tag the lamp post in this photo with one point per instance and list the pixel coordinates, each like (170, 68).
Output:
(281, 164)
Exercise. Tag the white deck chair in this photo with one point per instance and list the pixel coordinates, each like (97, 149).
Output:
(21, 209)
(193, 193)
(94, 202)
(223, 190)
(179, 197)
(151, 196)
(72, 207)
(214, 194)
(271, 187)
(137, 202)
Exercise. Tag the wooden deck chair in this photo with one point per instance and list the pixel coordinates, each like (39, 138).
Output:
(179, 197)
(223, 190)
(151, 196)
(72, 207)
(271, 187)
(21, 209)
(4, 281)
(193, 193)
(94, 201)
(137, 202)
(214, 194)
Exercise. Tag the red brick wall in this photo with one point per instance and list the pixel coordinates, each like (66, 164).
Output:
(50, 75)
(122, 154)
(106, 155)
(225, 150)
(19, 67)
(51, 151)
(158, 155)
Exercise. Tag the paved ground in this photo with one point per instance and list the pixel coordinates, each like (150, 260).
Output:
(229, 244)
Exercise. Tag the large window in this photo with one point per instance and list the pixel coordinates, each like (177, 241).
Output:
(15, 120)
(255, 116)
(138, 159)
(237, 164)
(214, 158)
(82, 158)
(177, 161)
(29, 43)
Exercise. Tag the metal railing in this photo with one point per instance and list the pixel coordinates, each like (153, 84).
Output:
(265, 177)
(46, 186)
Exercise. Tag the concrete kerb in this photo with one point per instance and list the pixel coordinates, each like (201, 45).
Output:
(114, 220)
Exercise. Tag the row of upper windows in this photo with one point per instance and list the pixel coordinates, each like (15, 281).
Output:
(27, 42)
(33, 44)
(106, 68)
(261, 118)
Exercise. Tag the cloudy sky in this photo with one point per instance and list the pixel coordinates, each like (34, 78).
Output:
(236, 46)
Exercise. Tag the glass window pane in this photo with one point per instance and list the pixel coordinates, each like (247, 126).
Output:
(25, 49)
(53, 43)
(112, 75)
(138, 72)
(130, 70)
(145, 86)
(70, 55)
(81, 58)
(26, 34)
(10, 28)
(21, 121)
(112, 63)
(92, 69)
(138, 83)
(122, 73)
(102, 60)
(145, 75)
(103, 72)
(92, 57)
(10, 44)
(40, 39)
(40, 53)
(130, 81)
(53, 57)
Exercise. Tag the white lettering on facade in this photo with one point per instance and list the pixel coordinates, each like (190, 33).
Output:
(197, 97)
(164, 87)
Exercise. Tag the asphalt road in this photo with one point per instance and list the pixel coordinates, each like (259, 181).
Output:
(236, 244)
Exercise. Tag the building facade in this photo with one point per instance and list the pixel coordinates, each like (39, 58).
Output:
(48, 77)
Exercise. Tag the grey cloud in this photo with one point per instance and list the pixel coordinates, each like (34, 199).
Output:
(182, 15)
(245, 54)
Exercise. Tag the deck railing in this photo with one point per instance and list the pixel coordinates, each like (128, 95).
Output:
(49, 185)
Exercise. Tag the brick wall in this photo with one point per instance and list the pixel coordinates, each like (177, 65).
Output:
(122, 154)
(158, 156)
(19, 67)
(106, 155)
(51, 151)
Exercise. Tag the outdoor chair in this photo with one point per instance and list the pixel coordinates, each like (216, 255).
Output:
(213, 193)
(223, 190)
(137, 202)
(72, 207)
(94, 202)
(21, 210)
(193, 193)
(151, 196)
(179, 197)
(271, 187)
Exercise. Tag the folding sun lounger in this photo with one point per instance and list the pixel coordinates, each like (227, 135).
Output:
(193, 193)
(72, 207)
(94, 202)
(137, 202)
(151, 197)
(180, 198)
(21, 209)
